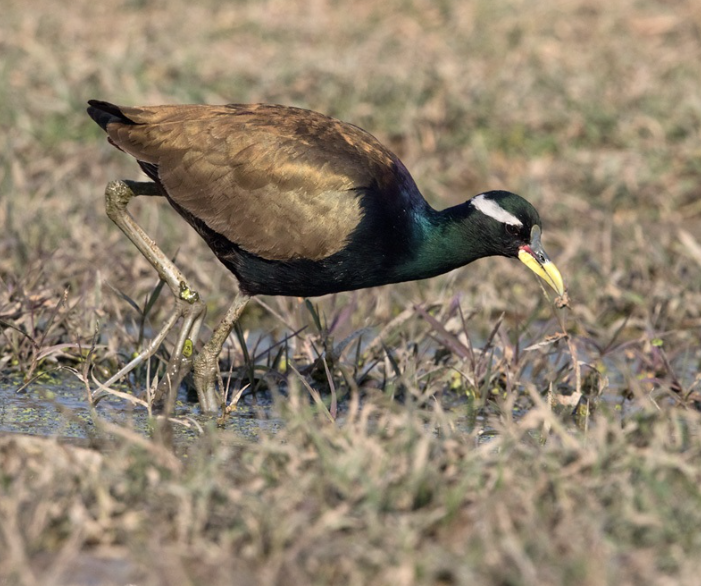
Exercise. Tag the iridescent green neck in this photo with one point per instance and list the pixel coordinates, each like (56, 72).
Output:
(442, 241)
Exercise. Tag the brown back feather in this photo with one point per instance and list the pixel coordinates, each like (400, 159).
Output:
(280, 182)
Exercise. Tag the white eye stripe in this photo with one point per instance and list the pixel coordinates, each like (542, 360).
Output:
(492, 209)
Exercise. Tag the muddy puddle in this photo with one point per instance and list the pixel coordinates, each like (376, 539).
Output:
(57, 406)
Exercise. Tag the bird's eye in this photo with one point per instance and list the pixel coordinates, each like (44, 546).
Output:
(512, 230)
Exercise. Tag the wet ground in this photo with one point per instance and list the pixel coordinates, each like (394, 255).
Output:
(57, 406)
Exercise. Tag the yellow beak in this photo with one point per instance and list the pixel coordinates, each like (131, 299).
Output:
(534, 257)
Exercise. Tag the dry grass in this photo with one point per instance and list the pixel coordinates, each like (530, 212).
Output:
(590, 109)
(386, 499)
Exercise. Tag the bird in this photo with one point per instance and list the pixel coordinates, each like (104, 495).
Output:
(296, 203)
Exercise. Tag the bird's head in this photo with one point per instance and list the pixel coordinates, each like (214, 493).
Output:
(512, 227)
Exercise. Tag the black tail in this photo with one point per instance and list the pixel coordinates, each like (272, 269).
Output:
(104, 113)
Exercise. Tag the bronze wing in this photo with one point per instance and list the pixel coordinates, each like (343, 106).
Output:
(280, 182)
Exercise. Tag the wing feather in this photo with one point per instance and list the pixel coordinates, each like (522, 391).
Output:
(281, 183)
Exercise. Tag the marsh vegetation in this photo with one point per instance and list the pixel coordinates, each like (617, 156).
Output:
(376, 470)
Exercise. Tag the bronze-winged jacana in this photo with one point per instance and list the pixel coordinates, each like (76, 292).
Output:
(294, 203)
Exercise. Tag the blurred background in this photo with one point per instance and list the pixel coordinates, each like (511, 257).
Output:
(590, 109)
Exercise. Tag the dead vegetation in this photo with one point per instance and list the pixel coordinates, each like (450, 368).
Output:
(386, 498)
(590, 109)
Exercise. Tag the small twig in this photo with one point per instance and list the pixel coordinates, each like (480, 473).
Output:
(315, 395)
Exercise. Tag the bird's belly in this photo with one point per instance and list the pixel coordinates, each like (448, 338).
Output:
(369, 260)
(303, 277)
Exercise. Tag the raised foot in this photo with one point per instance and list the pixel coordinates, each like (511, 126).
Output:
(189, 307)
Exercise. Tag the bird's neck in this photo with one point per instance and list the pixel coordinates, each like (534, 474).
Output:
(443, 240)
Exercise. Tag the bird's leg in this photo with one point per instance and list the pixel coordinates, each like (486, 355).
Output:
(181, 358)
(188, 304)
(206, 366)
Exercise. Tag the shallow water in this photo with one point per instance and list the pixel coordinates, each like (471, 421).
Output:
(57, 406)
